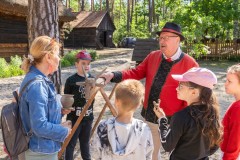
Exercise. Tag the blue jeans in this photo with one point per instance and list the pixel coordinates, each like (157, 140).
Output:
(83, 134)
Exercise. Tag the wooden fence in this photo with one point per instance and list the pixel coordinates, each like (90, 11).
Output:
(216, 50)
(219, 49)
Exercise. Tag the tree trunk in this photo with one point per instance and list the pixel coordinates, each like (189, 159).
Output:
(236, 30)
(135, 11)
(144, 16)
(79, 5)
(43, 20)
(100, 5)
(163, 9)
(120, 10)
(128, 15)
(107, 5)
(69, 6)
(82, 5)
(150, 16)
(112, 10)
(132, 9)
(153, 12)
(66, 4)
(92, 5)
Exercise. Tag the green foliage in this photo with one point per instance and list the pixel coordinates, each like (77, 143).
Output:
(65, 63)
(199, 19)
(93, 54)
(234, 58)
(12, 68)
(3, 68)
(199, 49)
(69, 58)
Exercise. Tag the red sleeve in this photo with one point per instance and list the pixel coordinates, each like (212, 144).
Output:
(232, 150)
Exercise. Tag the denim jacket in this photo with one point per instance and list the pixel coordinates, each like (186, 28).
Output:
(41, 113)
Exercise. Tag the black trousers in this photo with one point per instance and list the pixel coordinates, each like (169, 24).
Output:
(83, 134)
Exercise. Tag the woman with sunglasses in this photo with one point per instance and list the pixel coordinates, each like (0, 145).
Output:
(194, 132)
(40, 109)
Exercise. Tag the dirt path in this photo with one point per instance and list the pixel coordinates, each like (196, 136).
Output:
(113, 59)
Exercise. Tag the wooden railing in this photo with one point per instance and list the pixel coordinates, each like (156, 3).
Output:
(219, 49)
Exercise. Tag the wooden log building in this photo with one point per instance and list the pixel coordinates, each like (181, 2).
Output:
(13, 26)
(91, 29)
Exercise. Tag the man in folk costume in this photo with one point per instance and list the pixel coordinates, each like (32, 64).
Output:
(157, 68)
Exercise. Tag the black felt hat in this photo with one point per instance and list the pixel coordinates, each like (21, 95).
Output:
(173, 28)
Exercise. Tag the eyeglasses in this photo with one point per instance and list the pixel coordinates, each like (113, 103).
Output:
(180, 86)
(165, 38)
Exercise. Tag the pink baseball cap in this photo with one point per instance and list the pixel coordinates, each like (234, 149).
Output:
(84, 55)
(201, 76)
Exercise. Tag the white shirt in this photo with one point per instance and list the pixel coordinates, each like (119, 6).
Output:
(175, 56)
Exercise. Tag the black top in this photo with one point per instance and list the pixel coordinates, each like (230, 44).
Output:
(79, 97)
(158, 82)
(184, 136)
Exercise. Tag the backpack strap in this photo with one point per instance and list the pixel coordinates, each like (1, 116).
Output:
(18, 96)
(25, 86)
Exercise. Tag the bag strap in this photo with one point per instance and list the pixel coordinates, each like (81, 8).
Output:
(17, 97)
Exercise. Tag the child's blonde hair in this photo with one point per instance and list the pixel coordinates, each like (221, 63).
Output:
(130, 92)
(39, 48)
(235, 69)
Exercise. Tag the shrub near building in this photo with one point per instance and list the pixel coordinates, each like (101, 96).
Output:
(12, 68)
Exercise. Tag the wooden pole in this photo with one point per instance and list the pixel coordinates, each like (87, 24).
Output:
(112, 109)
(102, 112)
(89, 102)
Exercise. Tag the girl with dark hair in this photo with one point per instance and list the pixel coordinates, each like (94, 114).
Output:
(194, 132)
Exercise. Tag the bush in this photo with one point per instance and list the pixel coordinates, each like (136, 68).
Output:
(197, 50)
(65, 63)
(69, 58)
(4, 68)
(12, 68)
(93, 54)
(234, 58)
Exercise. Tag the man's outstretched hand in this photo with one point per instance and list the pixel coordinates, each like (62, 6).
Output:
(107, 76)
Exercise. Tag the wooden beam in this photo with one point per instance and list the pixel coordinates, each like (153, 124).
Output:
(85, 108)
(102, 112)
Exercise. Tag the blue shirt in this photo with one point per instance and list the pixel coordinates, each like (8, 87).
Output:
(41, 113)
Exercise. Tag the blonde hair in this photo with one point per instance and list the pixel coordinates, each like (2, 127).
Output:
(130, 92)
(39, 48)
(235, 69)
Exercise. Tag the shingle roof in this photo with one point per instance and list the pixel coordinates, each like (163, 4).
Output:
(20, 8)
(89, 19)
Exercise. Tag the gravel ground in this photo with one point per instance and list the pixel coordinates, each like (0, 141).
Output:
(111, 59)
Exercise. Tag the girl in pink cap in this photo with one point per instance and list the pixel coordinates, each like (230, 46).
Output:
(231, 121)
(195, 131)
